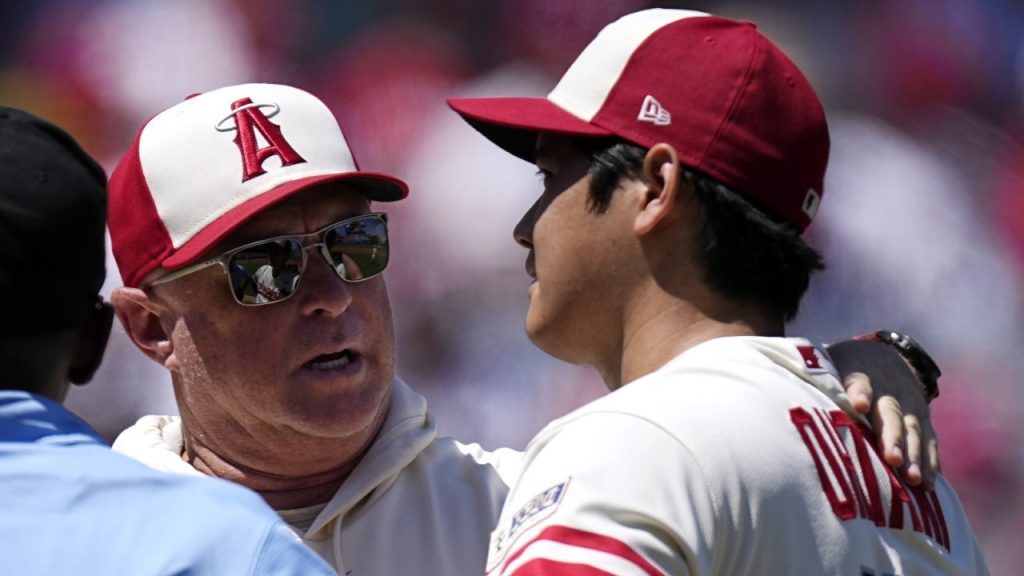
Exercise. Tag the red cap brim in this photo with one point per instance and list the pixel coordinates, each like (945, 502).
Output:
(373, 185)
(513, 123)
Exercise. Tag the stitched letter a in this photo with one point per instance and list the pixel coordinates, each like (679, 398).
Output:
(248, 119)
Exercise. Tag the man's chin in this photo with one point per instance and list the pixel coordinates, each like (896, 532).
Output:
(342, 414)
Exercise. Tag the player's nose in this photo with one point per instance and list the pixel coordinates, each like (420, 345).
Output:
(523, 232)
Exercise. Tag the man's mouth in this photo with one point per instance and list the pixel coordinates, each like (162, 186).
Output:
(334, 361)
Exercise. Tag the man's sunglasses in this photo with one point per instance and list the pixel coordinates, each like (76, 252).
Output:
(269, 271)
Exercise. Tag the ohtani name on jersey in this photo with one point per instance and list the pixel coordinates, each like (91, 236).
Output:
(851, 483)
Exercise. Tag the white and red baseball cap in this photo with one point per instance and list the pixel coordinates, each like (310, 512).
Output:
(200, 169)
(725, 97)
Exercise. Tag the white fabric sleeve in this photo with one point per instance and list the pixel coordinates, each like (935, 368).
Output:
(606, 493)
(156, 441)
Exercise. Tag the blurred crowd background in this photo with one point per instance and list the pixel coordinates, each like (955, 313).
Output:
(922, 222)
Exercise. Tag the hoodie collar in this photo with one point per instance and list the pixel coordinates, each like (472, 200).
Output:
(406, 431)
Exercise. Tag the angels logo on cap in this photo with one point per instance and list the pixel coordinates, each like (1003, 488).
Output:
(202, 168)
(248, 118)
(724, 96)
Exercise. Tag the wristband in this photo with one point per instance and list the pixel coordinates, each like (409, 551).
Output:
(927, 370)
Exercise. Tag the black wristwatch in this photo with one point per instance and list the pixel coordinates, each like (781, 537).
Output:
(927, 370)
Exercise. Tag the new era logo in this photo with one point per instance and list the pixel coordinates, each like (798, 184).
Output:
(811, 202)
(652, 111)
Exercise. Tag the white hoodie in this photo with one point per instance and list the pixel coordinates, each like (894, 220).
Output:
(415, 504)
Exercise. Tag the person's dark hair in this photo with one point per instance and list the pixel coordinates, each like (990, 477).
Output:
(53, 206)
(745, 254)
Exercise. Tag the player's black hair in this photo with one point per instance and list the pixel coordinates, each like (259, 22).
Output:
(746, 253)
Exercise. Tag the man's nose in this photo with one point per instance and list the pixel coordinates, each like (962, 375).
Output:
(322, 290)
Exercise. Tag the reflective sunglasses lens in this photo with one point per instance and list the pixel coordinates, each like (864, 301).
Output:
(265, 272)
(359, 249)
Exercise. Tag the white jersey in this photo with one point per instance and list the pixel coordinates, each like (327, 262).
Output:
(416, 504)
(730, 459)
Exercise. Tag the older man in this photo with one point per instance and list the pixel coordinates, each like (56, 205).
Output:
(70, 505)
(291, 391)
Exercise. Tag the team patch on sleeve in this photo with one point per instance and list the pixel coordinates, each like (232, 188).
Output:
(537, 508)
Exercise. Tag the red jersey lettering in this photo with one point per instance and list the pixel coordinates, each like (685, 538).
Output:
(834, 479)
(852, 486)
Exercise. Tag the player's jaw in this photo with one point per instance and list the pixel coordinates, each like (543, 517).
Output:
(558, 263)
(574, 312)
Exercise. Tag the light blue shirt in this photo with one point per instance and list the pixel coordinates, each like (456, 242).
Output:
(68, 505)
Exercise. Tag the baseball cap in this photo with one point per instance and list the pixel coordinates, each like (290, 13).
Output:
(724, 96)
(52, 215)
(207, 165)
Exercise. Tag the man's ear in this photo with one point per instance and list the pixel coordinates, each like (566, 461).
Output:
(140, 316)
(91, 342)
(663, 178)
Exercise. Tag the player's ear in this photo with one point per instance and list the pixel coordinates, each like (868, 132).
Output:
(663, 178)
(139, 314)
(91, 342)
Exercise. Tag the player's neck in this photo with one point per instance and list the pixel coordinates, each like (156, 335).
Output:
(663, 327)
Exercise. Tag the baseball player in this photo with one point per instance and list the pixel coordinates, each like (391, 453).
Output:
(682, 154)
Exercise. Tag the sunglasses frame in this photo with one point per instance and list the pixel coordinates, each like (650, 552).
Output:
(223, 258)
